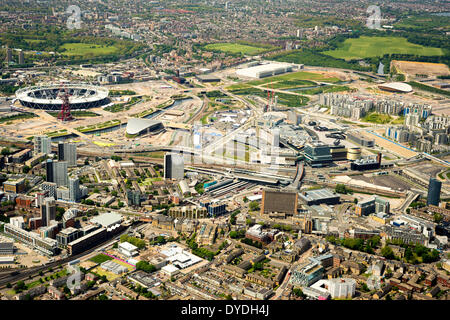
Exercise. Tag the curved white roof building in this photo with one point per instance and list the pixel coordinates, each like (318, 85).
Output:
(48, 97)
(396, 87)
(137, 126)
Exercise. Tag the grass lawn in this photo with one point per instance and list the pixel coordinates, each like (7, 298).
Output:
(76, 114)
(289, 80)
(325, 89)
(83, 49)
(109, 275)
(33, 40)
(235, 48)
(100, 258)
(104, 144)
(364, 47)
(148, 181)
(399, 120)
(377, 118)
(299, 76)
(157, 154)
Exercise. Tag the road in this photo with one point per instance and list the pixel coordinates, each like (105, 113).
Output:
(283, 286)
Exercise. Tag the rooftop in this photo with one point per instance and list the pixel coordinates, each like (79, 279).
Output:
(107, 219)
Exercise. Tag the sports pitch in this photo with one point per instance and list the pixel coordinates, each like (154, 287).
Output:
(81, 49)
(364, 47)
(236, 48)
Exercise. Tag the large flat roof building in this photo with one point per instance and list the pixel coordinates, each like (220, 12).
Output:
(264, 70)
(108, 220)
(314, 197)
(317, 154)
(128, 249)
(278, 201)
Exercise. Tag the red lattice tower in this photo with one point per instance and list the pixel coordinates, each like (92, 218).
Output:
(268, 101)
(65, 114)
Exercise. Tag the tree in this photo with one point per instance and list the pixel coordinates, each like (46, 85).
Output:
(254, 206)
(20, 285)
(26, 169)
(438, 217)
(355, 201)
(5, 151)
(90, 284)
(387, 252)
(298, 292)
(145, 266)
(341, 188)
(66, 290)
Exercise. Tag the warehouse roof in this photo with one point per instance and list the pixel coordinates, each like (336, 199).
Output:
(107, 219)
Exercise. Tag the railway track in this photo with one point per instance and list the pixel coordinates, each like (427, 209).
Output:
(12, 276)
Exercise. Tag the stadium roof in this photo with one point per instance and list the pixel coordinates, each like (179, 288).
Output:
(49, 93)
(137, 125)
(396, 86)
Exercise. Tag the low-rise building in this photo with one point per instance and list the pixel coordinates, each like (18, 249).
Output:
(128, 249)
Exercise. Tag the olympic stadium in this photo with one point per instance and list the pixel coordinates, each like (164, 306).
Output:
(49, 97)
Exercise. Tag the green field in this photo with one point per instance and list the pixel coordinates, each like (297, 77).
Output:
(424, 22)
(296, 76)
(365, 47)
(425, 87)
(236, 48)
(83, 49)
(76, 113)
(290, 80)
(377, 118)
(325, 89)
(100, 258)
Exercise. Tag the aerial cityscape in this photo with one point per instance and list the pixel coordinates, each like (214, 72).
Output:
(224, 150)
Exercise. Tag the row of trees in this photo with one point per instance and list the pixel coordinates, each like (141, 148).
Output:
(367, 246)
(341, 188)
(134, 241)
(145, 266)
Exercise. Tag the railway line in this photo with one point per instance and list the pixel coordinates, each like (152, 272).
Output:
(14, 276)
